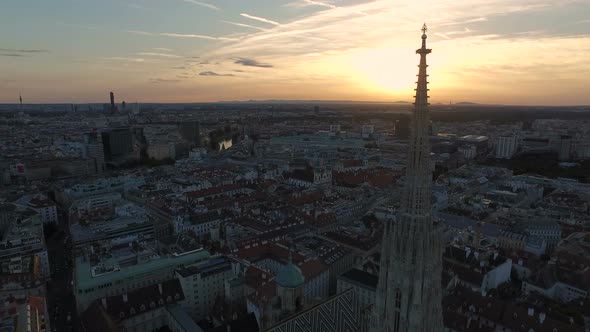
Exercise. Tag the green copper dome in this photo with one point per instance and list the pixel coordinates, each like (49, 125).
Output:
(290, 276)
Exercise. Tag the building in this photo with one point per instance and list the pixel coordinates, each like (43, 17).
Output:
(162, 150)
(409, 294)
(203, 284)
(309, 177)
(45, 208)
(469, 151)
(564, 279)
(565, 148)
(363, 283)
(23, 252)
(479, 271)
(150, 308)
(117, 143)
(113, 106)
(334, 129)
(368, 131)
(95, 151)
(27, 313)
(506, 146)
(115, 276)
(191, 132)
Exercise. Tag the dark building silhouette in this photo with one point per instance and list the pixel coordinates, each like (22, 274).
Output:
(191, 132)
(117, 142)
(113, 106)
(95, 151)
(402, 127)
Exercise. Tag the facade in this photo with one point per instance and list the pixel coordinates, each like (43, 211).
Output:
(409, 289)
(565, 148)
(191, 132)
(203, 284)
(479, 271)
(468, 151)
(92, 282)
(162, 150)
(95, 151)
(506, 147)
(367, 131)
(22, 245)
(45, 208)
(117, 142)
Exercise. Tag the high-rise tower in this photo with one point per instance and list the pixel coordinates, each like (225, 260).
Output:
(409, 290)
(113, 107)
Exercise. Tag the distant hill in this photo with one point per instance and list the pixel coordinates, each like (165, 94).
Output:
(279, 101)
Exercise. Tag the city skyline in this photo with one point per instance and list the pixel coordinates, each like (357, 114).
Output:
(494, 51)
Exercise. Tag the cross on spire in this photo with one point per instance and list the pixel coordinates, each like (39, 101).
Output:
(424, 28)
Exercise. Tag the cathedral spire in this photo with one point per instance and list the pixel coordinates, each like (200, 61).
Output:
(409, 290)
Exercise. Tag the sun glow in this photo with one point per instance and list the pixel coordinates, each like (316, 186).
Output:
(390, 71)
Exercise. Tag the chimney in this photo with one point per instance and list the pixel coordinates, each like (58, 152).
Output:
(160, 288)
(531, 312)
(541, 317)
(125, 299)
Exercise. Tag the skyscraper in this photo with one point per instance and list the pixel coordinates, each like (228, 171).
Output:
(113, 107)
(409, 290)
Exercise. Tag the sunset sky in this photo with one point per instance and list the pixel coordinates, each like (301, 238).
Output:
(487, 51)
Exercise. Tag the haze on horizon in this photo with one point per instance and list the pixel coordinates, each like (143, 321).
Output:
(485, 51)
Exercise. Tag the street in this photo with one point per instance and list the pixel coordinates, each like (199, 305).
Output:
(60, 299)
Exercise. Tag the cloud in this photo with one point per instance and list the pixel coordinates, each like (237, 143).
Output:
(178, 35)
(140, 32)
(20, 53)
(181, 35)
(13, 55)
(203, 4)
(261, 19)
(473, 20)
(244, 25)
(179, 67)
(163, 49)
(162, 55)
(118, 58)
(163, 80)
(252, 63)
(12, 50)
(212, 73)
(319, 3)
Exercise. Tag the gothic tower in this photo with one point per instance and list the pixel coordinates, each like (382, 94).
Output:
(409, 290)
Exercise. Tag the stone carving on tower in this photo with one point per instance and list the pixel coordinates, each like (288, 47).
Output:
(409, 293)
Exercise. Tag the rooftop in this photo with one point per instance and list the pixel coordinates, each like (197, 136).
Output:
(84, 278)
(360, 278)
